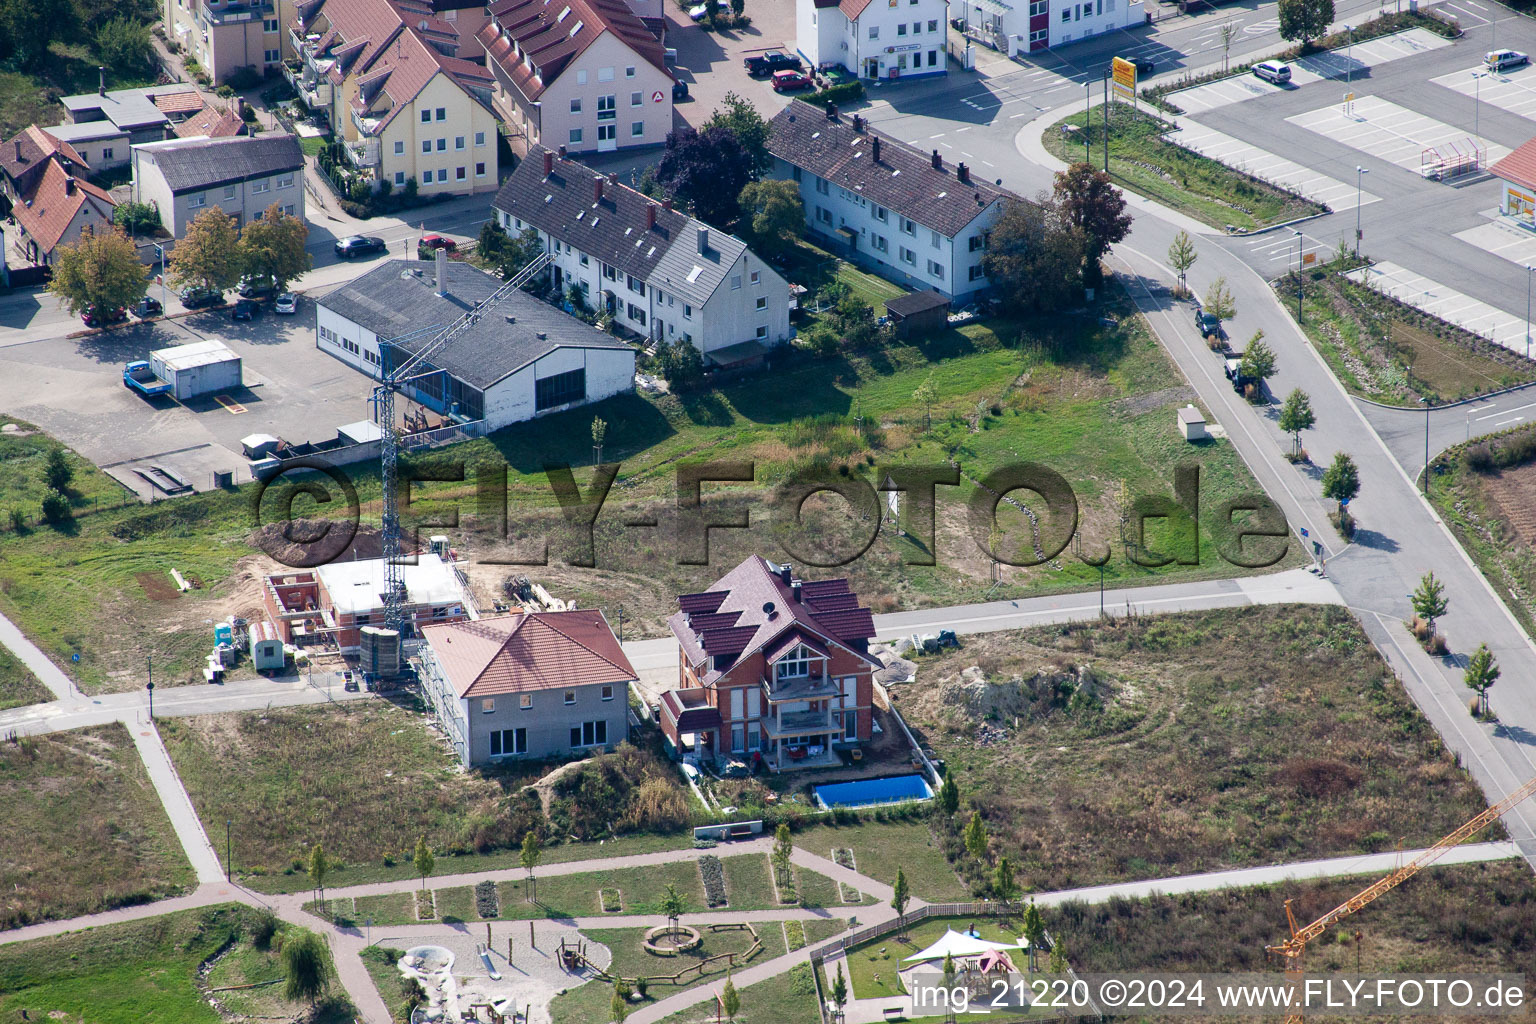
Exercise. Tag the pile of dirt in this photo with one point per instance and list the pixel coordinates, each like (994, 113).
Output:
(305, 543)
(1054, 686)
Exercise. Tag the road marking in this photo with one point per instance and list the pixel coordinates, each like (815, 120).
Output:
(938, 136)
(234, 407)
(1501, 412)
(1395, 134)
(1516, 419)
(1446, 303)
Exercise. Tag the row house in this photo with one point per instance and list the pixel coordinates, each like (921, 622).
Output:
(405, 107)
(43, 188)
(588, 75)
(659, 272)
(771, 667)
(892, 40)
(906, 214)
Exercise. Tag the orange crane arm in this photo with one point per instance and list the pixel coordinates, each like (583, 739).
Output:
(1301, 936)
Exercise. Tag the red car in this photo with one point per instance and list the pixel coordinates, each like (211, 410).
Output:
(437, 242)
(92, 317)
(786, 81)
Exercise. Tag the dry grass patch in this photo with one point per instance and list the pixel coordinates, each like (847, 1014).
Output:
(18, 686)
(84, 829)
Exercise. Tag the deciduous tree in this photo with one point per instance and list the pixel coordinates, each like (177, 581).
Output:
(309, 974)
(1034, 931)
(900, 895)
(926, 394)
(839, 989)
(208, 256)
(423, 860)
(318, 866)
(773, 212)
(1004, 884)
(1482, 672)
(1258, 362)
(706, 170)
(1035, 256)
(1429, 601)
(739, 117)
(599, 435)
(618, 1006)
(1295, 416)
(1182, 256)
(101, 270)
(123, 45)
(976, 836)
(273, 247)
(57, 472)
(1218, 300)
(672, 906)
(532, 850)
(1341, 481)
(1304, 20)
(730, 999)
(1088, 200)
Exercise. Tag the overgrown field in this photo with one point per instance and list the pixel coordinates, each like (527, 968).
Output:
(1145, 156)
(148, 971)
(1148, 747)
(84, 829)
(18, 686)
(1391, 353)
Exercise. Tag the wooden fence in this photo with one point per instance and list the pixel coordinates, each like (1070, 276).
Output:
(700, 969)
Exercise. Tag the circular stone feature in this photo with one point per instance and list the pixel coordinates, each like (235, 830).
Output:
(665, 940)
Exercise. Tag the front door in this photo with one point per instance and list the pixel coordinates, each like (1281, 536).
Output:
(871, 68)
(607, 137)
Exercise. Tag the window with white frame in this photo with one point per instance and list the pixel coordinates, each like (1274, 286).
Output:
(880, 214)
(442, 113)
(735, 282)
(607, 691)
(458, 142)
(201, 199)
(426, 116)
(259, 187)
(269, 24)
(479, 138)
(590, 734)
(901, 29)
(575, 135)
(285, 181)
(525, 702)
(687, 311)
(762, 302)
(271, 57)
(399, 147)
(480, 170)
(605, 74)
(977, 273)
(874, 31)
(755, 276)
(487, 705)
(508, 742)
(976, 242)
(629, 72)
(576, 105)
(442, 174)
(936, 269)
(795, 665)
(399, 177)
(879, 243)
(442, 145)
(607, 108)
(636, 129)
(908, 227)
(229, 191)
(570, 696)
(908, 256)
(581, 78)
(426, 145)
(762, 331)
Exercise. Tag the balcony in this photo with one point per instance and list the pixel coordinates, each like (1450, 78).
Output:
(801, 688)
(230, 14)
(364, 154)
(315, 91)
(800, 723)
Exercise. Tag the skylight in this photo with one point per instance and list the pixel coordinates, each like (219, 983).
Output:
(575, 29)
(693, 275)
(563, 15)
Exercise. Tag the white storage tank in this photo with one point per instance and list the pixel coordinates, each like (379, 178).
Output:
(201, 368)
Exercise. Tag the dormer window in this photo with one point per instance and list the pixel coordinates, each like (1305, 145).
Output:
(795, 665)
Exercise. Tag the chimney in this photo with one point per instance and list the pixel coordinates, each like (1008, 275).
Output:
(240, 107)
(831, 111)
(18, 149)
(858, 123)
(876, 153)
(963, 174)
(703, 240)
(562, 152)
(597, 189)
(786, 573)
(101, 81)
(938, 161)
(442, 273)
(549, 163)
(69, 185)
(794, 588)
(650, 216)
(666, 204)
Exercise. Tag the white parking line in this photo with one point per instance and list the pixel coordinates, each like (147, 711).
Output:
(1468, 313)
(1509, 90)
(1260, 163)
(1395, 134)
(1504, 241)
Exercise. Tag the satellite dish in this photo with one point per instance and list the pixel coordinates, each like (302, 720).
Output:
(767, 607)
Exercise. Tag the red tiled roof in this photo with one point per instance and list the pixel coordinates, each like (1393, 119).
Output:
(214, 122)
(47, 209)
(790, 640)
(692, 603)
(522, 653)
(28, 148)
(179, 102)
(852, 8)
(543, 30)
(1518, 167)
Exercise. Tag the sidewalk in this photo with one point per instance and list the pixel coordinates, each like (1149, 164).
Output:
(178, 806)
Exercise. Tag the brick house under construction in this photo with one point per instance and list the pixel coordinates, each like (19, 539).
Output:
(331, 603)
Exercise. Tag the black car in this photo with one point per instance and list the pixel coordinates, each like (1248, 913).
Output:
(148, 306)
(679, 91)
(357, 245)
(768, 63)
(1143, 65)
(1207, 324)
(245, 309)
(196, 298)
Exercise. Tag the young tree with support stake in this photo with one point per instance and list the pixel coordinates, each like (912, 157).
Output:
(1004, 884)
(1182, 256)
(900, 895)
(529, 858)
(1341, 483)
(1482, 672)
(1218, 300)
(1295, 416)
(839, 990)
(318, 866)
(423, 860)
(672, 907)
(1430, 602)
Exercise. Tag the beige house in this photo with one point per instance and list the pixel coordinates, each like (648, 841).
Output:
(584, 74)
(241, 176)
(227, 35)
(406, 109)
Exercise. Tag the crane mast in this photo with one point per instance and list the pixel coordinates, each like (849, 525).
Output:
(389, 450)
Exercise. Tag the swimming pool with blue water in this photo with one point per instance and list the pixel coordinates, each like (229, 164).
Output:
(867, 792)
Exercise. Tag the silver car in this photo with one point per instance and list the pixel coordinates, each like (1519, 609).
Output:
(286, 304)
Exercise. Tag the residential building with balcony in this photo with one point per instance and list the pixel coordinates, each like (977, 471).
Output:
(661, 273)
(240, 175)
(908, 215)
(889, 40)
(587, 75)
(772, 667)
(404, 107)
(226, 35)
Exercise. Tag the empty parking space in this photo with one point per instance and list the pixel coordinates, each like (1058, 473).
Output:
(1446, 303)
(1393, 133)
(1509, 90)
(1334, 64)
(1504, 241)
(1272, 168)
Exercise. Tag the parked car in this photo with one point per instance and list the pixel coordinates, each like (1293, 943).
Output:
(1144, 65)
(286, 305)
(770, 62)
(358, 245)
(245, 309)
(697, 13)
(788, 81)
(437, 242)
(196, 298)
(94, 317)
(258, 288)
(1273, 71)
(1208, 324)
(1500, 60)
(679, 90)
(148, 306)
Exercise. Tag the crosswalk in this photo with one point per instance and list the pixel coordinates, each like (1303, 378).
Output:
(1261, 163)
(1444, 302)
(1395, 134)
(1514, 91)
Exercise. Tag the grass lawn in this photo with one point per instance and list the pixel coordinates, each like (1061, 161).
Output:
(1138, 749)
(380, 963)
(748, 885)
(313, 144)
(144, 971)
(873, 966)
(18, 686)
(1461, 918)
(1371, 341)
(1146, 161)
(879, 848)
(84, 828)
(589, 1003)
(820, 931)
(790, 996)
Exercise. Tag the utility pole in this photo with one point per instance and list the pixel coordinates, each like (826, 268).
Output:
(149, 661)
(1528, 270)
(1297, 232)
(1106, 122)
(1088, 121)
(1360, 173)
(229, 854)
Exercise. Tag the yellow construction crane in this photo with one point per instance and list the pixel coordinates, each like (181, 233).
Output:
(1292, 949)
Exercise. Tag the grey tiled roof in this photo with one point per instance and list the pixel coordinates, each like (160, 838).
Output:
(391, 300)
(903, 181)
(192, 164)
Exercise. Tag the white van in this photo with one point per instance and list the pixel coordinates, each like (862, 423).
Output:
(1273, 71)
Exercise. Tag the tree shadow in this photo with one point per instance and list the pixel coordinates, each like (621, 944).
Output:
(1375, 539)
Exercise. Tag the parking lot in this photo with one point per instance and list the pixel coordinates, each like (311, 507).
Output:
(1395, 134)
(73, 389)
(711, 62)
(1514, 91)
(1446, 303)
(1502, 240)
(1261, 163)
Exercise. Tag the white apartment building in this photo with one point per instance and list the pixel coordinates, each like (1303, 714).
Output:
(661, 273)
(875, 40)
(881, 202)
(241, 176)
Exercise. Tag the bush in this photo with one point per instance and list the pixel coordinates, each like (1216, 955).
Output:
(18, 520)
(225, 91)
(845, 93)
(56, 510)
(1479, 457)
(263, 928)
(713, 873)
(243, 78)
(137, 218)
(486, 902)
(641, 984)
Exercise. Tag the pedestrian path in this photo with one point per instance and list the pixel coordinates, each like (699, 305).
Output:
(1514, 91)
(178, 806)
(1444, 302)
(38, 663)
(1398, 135)
(1335, 64)
(1261, 163)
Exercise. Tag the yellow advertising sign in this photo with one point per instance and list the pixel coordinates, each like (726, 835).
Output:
(1125, 78)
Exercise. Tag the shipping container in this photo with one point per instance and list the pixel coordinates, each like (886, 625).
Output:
(202, 368)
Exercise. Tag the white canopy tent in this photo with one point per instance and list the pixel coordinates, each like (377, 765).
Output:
(958, 944)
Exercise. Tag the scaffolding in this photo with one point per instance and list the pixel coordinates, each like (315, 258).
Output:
(1452, 160)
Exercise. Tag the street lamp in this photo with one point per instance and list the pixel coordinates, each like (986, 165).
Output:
(160, 251)
(1297, 233)
(1087, 121)
(1425, 403)
(1528, 271)
(1360, 173)
(1477, 105)
(149, 687)
(229, 854)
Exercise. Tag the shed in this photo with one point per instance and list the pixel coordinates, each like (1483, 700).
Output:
(917, 313)
(267, 651)
(257, 445)
(1192, 424)
(200, 368)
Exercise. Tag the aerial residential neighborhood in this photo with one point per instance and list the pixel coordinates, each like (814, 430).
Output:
(766, 511)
